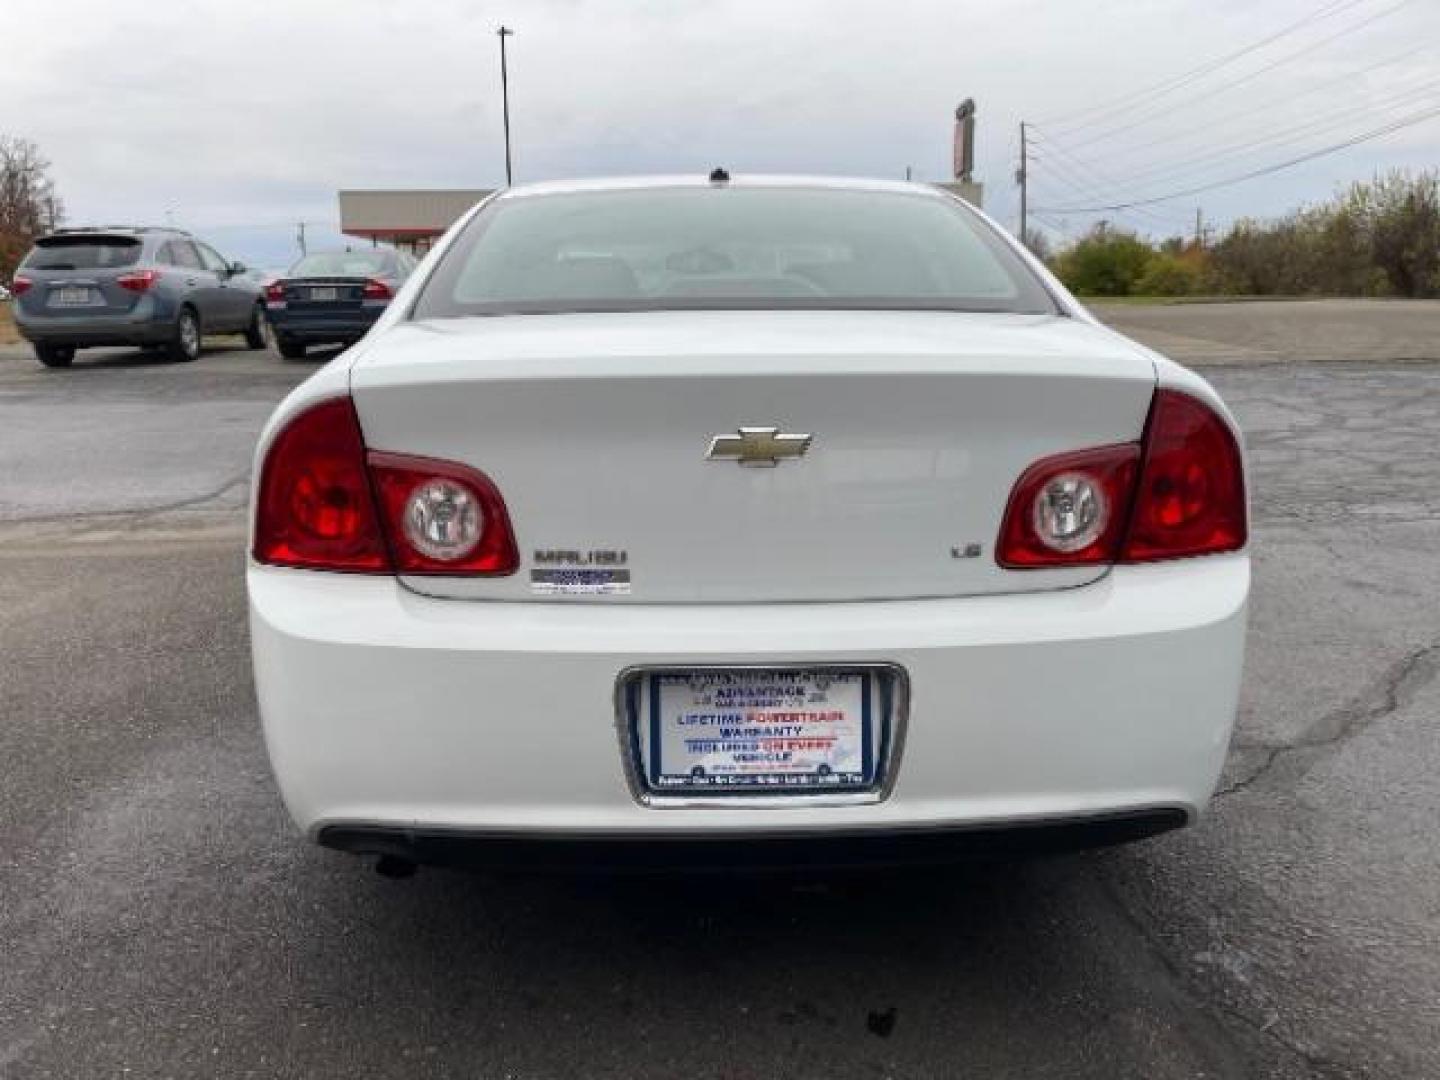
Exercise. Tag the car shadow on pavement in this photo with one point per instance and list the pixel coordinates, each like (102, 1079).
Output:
(1017, 967)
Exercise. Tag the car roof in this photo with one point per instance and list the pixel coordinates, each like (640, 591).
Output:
(739, 180)
(116, 230)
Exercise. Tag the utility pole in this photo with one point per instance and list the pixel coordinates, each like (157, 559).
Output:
(300, 237)
(1022, 176)
(503, 33)
(908, 173)
(1199, 228)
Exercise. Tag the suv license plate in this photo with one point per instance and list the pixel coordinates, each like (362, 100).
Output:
(73, 296)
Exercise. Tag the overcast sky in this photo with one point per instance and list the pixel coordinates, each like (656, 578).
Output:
(238, 119)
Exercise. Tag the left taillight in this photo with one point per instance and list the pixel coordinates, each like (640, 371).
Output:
(140, 281)
(315, 509)
(275, 293)
(21, 285)
(326, 503)
(443, 517)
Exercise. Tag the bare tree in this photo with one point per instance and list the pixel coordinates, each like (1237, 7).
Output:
(29, 206)
(1039, 244)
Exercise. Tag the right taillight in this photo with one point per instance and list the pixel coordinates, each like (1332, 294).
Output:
(21, 285)
(326, 503)
(139, 281)
(1178, 493)
(1190, 499)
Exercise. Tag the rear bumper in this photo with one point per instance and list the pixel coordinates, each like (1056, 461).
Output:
(318, 327)
(579, 852)
(393, 715)
(142, 326)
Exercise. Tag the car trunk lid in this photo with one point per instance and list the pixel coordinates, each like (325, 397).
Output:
(324, 293)
(599, 428)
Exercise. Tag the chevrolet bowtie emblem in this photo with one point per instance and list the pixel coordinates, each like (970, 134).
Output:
(758, 447)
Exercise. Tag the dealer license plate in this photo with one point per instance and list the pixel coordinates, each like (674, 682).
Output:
(800, 730)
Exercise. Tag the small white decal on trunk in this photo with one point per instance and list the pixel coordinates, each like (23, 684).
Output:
(580, 581)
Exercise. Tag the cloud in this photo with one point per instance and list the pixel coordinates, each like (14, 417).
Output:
(239, 117)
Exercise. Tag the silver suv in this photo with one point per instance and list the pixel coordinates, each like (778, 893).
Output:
(156, 288)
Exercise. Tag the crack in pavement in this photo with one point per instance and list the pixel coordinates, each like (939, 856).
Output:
(138, 514)
(1186, 987)
(1397, 687)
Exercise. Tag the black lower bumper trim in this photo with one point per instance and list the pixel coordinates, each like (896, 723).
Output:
(539, 851)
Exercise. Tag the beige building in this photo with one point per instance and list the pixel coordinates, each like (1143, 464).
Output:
(412, 220)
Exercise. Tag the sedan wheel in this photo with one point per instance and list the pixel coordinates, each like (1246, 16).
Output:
(55, 355)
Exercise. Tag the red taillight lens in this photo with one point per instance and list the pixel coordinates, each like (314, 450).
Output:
(314, 508)
(21, 285)
(275, 293)
(1069, 510)
(443, 518)
(140, 281)
(1179, 493)
(377, 290)
(1191, 495)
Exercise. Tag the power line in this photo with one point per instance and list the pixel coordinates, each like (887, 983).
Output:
(1323, 125)
(1167, 110)
(1102, 180)
(1144, 218)
(1166, 86)
(1376, 133)
(1248, 111)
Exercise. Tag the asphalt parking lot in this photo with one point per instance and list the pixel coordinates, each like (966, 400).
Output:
(159, 917)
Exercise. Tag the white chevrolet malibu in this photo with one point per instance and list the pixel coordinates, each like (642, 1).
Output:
(759, 519)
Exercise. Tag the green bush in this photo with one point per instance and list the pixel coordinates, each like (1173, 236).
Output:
(1380, 238)
(1167, 275)
(1106, 262)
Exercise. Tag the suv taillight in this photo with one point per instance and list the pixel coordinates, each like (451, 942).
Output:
(21, 285)
(1180, 492)
(317, 507)
(375, 289)
(140, 281)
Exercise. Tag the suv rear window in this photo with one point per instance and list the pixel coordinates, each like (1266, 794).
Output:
(83, 253)
(757, 248)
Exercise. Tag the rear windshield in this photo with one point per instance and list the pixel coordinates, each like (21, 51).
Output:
(342, 263)
(661, 249)
(83, 253)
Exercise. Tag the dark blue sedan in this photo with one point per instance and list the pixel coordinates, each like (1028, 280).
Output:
(333, 297)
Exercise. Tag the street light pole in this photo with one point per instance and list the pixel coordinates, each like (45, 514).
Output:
(503, 33)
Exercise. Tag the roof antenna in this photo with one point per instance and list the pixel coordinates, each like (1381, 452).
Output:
(719, 176)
